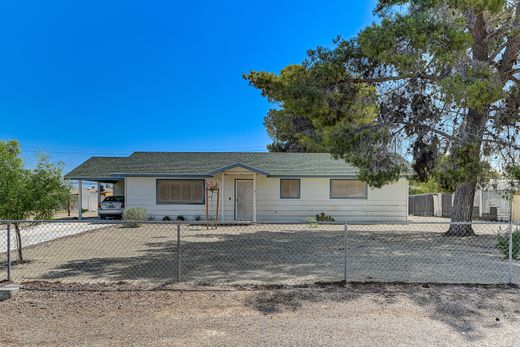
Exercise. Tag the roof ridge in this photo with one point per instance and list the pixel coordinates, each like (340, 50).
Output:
(222, 152)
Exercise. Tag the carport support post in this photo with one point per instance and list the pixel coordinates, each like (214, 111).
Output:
(345, 229)
(178, 252)
(8, 252)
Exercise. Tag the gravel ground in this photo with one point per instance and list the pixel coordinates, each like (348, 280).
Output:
(361, 315)
(276, 253)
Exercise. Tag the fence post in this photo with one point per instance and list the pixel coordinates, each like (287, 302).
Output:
(8, 251)
(345, 229)
(178, 252)
(510, 265)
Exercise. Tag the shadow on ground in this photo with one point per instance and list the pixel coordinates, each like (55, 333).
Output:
(465, 309)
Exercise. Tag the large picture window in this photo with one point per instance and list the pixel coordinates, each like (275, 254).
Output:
(348, 189)
(180, 191)
(289, 188)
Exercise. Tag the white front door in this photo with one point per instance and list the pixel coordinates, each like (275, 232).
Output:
(244, 200)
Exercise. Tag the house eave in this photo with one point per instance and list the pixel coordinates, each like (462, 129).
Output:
(160, 175)
(240, 165)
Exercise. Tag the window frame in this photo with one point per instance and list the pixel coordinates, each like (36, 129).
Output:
(157, 182)
(299, 188)
(352, 197)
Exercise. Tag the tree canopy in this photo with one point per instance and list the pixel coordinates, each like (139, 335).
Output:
(437, 81)
(25, 193)
(29, 194)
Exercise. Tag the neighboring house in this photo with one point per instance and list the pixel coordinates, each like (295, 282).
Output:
(253, 186)
(492, 198)
(89, 198)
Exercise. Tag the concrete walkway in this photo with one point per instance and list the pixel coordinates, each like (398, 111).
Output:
(35, 234)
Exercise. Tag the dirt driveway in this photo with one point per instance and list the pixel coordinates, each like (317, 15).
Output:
(387, 315)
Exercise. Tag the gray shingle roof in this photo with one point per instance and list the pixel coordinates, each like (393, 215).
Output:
(208, 163)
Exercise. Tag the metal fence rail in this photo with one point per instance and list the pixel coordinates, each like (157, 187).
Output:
(156, 253)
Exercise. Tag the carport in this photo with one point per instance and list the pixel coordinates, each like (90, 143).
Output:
(98, 170)
(118, 186)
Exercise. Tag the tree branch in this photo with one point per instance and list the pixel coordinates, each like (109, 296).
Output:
(512, 50)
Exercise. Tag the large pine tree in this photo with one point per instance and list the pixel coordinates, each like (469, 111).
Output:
(438, 79)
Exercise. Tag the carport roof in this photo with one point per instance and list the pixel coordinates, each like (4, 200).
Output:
(202, 164)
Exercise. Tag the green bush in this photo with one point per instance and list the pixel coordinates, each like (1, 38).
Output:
(503, 244)
(133, 215)
(180, 218)
(322, 217)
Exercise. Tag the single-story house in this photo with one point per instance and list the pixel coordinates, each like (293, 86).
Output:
(252, 186)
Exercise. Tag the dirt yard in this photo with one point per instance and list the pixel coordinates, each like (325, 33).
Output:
(361, 315)
(275, 254)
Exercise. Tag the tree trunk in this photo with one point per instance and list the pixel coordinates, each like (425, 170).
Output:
(18, 242)
(462, 210)
(471, 134)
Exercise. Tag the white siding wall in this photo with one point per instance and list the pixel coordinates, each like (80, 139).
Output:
(119, 188)
(388, 204)
(141, 191)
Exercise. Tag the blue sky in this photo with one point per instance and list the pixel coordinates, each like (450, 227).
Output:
(84, 78)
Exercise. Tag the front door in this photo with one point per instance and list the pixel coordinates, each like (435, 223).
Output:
(244, 200)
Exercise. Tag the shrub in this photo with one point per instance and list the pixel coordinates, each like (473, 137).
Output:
(313, 223)
(133, 215)
(180, 218)
(166, 218)
(322, 217)
(503, 244)
(197, 218)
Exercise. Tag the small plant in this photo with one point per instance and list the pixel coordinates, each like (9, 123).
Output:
(133, 215)
(322, 217)
(197, 218)
(166, 219)
(180, 218)
(503, 244)
(313, 223)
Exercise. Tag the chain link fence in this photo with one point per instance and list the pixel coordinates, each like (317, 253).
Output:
(159, 253)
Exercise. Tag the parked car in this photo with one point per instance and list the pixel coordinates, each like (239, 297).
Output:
(111, 206)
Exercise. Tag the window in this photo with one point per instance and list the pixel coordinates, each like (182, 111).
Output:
(289, 189)
(348, 189)
(180, 191)
(115, 199)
